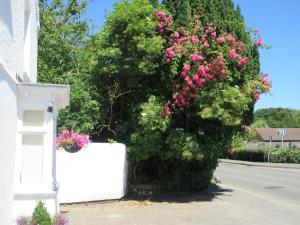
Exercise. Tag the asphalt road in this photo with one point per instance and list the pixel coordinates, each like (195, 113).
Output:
(273, 194)
(246, 196)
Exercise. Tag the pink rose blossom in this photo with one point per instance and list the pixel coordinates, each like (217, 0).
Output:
(196, 58)
(221, 40)
(259, 42)
(194, 40)
(214, 35)
(233, 54)
(243, 61)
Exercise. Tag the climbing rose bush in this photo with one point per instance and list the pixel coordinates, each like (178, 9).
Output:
(71, 142)
(203, 60)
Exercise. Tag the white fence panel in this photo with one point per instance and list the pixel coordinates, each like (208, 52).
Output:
(98, 172)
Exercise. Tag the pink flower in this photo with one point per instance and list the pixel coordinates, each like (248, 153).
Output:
(196, 77)
(194, 40)
(170, 19)
(255, 94)
(187, 67)
(196, 58)
(243, 61)
(221, 40)
(214, 35)
(187, 88)
(160, 14)
(206, 44)
(202, 71)
(233, 54)
(232, 38)
(65, 132)
(259, 42)
(176, 35)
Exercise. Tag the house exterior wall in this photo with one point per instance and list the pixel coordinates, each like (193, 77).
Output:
(17, 57)
(19, 24)
(8, 127)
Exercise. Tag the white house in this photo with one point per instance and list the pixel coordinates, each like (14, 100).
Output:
(27, 111)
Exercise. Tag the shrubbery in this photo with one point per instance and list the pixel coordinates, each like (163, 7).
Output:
(285, 155)
(176, 94)
(41, 216)
(174, 85)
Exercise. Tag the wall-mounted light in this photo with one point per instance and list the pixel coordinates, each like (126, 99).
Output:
(50, 108)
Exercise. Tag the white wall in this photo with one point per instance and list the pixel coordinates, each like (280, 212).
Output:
(12, 42)
(8, 129)
(18, 53)
(98, 172)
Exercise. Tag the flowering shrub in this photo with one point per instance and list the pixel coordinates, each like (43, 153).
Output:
(203, 60)
(23, 220)
(71, 142)
(182, 88)
(61, 220)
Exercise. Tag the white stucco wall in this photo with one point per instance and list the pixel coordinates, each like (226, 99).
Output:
(12, 57)
(98, 172)
(18, 38)
(8, 129)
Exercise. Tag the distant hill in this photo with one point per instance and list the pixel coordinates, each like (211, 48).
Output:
(278, 117)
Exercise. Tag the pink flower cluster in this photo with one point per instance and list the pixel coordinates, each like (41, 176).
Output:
(263, 88)
(164, 21)
(67, 138)
(206, 56)
(259, 42)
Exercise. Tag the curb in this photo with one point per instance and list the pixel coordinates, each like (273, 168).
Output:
(259, 164)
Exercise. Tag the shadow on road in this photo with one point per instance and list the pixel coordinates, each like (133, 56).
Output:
(212, 192)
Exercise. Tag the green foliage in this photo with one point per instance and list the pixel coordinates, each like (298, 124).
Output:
(259, 123)
(120, 85)
(279, 117)
(40, 215)
(253, 155)
(224, 103)
(285, 155)
(127, 59)
(150, 118)
(62, 59)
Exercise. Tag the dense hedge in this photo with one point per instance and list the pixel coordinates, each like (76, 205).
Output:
(261, 155)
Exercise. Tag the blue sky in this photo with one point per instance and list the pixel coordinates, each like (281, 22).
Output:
(279, 25)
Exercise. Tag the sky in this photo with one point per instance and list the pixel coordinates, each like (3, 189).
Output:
(279, 25)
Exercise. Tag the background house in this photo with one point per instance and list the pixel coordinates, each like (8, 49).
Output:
(28, 115)
(270, 136)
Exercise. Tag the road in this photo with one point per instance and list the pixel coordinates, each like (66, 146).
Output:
(246, 196)
(271, 194)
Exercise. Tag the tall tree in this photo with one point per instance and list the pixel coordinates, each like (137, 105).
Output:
(62, 60)
(177, 92)
(279, 117)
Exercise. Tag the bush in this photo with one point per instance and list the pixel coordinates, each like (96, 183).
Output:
(253, 155)
(285, 155)
(40, 215)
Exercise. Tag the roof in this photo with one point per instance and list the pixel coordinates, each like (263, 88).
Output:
(55, 92)
(264, 134)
